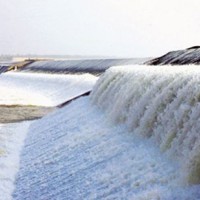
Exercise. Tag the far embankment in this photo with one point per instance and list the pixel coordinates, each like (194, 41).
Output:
(79, 66)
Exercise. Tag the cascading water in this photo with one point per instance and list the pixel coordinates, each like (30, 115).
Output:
(162, 103)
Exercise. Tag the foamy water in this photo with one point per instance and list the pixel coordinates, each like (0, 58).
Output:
(11, 142)
(77, 153)
(161, 103)
(136, 137)
(42, 89)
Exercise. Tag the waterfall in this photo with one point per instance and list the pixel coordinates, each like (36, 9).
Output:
(157, 102)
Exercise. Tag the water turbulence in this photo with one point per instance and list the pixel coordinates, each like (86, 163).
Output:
(161, 103)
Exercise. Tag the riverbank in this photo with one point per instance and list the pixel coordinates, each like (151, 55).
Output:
(17, 113)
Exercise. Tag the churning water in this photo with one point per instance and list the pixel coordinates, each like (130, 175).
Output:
(161, 103)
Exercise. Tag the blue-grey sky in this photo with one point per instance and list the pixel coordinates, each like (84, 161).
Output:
(126, 28)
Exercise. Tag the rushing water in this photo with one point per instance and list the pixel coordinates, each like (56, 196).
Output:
(161, 103)
(151, 152)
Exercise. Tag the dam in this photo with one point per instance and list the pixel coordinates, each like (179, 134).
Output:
(135, 137)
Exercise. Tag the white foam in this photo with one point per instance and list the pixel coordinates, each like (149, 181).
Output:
(11, 141)
(42, 89)
(77, 153)
(161, 102)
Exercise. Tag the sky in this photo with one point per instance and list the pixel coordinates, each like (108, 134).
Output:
(122, 28)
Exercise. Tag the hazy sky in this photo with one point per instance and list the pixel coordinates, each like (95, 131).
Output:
(129, 28)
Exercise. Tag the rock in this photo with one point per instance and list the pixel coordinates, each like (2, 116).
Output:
(181, 57)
